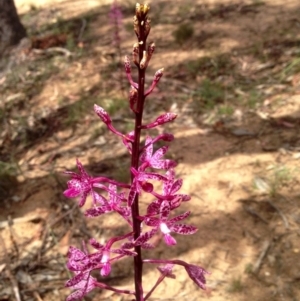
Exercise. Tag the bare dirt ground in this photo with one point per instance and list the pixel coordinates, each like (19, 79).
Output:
(232, 73)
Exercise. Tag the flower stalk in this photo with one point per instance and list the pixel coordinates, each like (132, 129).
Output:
(147, 165)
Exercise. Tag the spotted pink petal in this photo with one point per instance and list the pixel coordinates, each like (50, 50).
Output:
(97, 211)
(83, 198)
(164, 210)
(147, 154)
(167, 270)
(98, 199)
(132, 194)
(175, 202)
(76, 280)
(128, 245)
(159, 153)
(183, 229)
(197, 274)
(180, 217)
(147, 246)
(163, 164)
(152, 222)
(75, 296)
(124, 252)
(151, 176)
(74, 189)
(144, 237)
(176, 185)
(153, 207)
(95, 244)
(184, 197)
(81, 169)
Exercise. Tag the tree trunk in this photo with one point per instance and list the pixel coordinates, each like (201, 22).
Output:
(11, 29)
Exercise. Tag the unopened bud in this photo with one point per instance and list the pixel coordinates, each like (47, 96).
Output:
(147, 27)
(136, 26)
(151, 49)
(102, 114)
(167, 137)
(133, 97)
(141, 10)
(146, 8)
(164, 118)
(144, 60)
(137, 8)
(158, 74)
(135, 53)
(127, 65)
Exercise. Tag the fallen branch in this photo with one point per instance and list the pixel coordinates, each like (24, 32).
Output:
(285, 221)
(251, 211)
(11, 277)
(20, 220)
(64, 51)
(263, 253)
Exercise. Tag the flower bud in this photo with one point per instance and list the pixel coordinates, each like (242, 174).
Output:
(102, 114)
(144, 60)
(137, 8)
(162, 119)
(135, 53)
(133, 97)
(141, 10)
(127, 65)
(151, 49)
(147, 27)
(136, 26)
(157, 76)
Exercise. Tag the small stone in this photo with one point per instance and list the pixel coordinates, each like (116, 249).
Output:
(16, 198)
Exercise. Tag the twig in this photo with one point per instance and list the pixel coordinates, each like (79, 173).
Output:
(251, 211)
(64, 51)
(263, 253)
(83, 26)
(9, 271)
(37, 296)
(20, 220)
(50, 225)
(231, 186)
(13, 235)
(285, 221)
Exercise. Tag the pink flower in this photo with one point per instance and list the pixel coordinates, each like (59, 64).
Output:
(148, 159)
(166, 270)
(113, 203)
(168, 226)
(81, 185)
(140, 183)
(197, 274)
(83, 283)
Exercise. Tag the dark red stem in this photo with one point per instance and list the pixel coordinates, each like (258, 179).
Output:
(138, 262)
